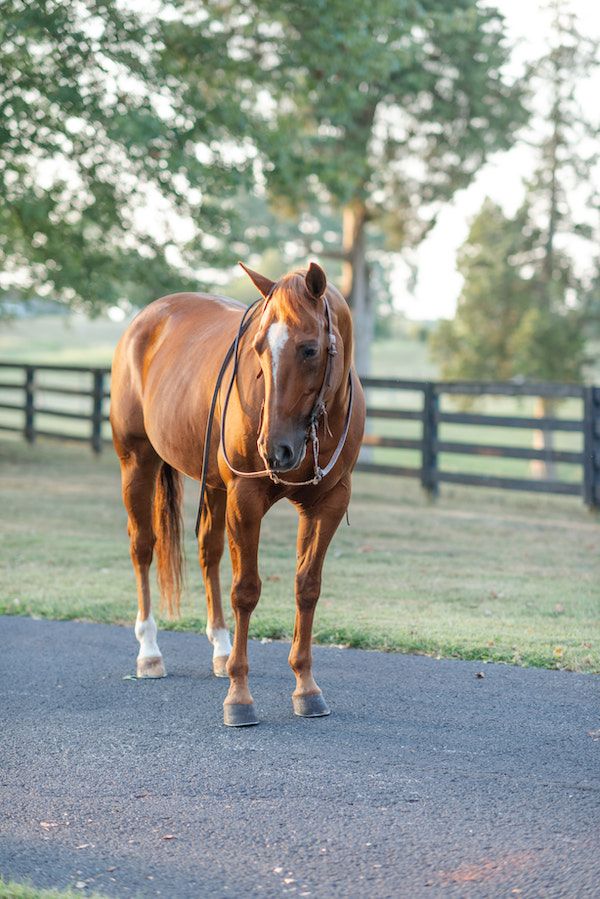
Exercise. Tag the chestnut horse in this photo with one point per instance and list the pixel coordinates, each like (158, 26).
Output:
(294, 423)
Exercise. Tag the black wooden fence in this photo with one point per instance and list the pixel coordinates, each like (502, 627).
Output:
(28, 392)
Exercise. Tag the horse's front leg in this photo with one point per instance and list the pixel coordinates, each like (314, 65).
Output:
(318, 524)
(245, 510)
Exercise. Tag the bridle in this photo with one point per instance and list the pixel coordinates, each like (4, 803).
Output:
(319, 409)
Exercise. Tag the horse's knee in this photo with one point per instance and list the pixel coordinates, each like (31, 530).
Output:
(245, 593)
(308, 590)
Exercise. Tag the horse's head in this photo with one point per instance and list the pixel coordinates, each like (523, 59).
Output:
(292, 344)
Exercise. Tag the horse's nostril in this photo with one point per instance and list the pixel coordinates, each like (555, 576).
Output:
(283, 454)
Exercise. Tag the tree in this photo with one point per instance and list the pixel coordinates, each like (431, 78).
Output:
(540, 281)
(567, 152)
(477, 343)
(114, 180)
(382, 113)
(504, 327)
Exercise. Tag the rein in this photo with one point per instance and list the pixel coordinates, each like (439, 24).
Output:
(319, 409)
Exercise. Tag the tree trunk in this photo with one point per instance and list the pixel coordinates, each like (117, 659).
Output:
(355, 283)
(544, 440)
(554, 163)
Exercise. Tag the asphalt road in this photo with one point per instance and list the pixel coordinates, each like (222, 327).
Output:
(425, 781)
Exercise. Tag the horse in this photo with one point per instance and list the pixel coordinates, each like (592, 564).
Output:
(287, 423)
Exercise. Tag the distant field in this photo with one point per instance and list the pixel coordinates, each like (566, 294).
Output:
(77, 340)
(60, 340)
(479, 575)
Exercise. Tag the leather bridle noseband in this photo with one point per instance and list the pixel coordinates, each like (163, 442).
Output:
(318, 410)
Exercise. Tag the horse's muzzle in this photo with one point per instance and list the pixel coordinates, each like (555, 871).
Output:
(282, 455)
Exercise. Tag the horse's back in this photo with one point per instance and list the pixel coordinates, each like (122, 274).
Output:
(164, 371)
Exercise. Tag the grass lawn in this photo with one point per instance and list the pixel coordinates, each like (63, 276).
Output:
(479, 575)
(12, 890)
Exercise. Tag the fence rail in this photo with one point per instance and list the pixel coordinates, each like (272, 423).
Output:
(85, 404)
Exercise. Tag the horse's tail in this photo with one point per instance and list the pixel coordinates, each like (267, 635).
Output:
(168, 528)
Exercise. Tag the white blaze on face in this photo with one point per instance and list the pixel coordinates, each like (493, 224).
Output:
(219, 637)
(277, 335)
(146, 632)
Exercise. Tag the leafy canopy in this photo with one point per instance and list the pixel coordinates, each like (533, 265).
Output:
(392, 103)
(113, 179)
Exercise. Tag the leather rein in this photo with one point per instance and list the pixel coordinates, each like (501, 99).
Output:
(319, 409)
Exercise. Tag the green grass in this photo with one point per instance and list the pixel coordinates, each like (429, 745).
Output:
(12, 890)
(479, 575)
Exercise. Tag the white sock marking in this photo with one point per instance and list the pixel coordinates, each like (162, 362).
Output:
(219, 637)
(277, 335)
(146, 632)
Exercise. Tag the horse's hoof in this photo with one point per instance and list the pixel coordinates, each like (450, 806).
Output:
(311, 706)
(220, 666)
(237, 715)
(151, 667)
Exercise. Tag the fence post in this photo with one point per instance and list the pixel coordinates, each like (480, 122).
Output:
(429, 453)
(97, 407)
(29, 386)
(591, 447)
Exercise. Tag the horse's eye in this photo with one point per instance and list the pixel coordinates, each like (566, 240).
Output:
(308, 352)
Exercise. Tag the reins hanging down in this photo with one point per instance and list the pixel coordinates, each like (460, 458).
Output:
(318, 410)
(244, 325)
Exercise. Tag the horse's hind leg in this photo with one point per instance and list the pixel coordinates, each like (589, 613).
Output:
(139, 469)
(211, 542)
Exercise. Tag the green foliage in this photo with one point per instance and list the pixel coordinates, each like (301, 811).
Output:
(567, 158)
(129, 139)
(112, 178)
(507, 323)
(394, 102)
(477, 344)
(549, 345)
(524, 306)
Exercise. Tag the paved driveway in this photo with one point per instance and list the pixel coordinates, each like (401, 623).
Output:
(425, 781)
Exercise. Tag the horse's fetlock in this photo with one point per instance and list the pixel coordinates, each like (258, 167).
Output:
(237, 670)
(299, 662)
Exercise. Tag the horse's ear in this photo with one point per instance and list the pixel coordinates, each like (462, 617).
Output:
(316, 281)
(262, 284)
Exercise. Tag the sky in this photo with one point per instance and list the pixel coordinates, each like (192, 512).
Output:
(438, 283)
